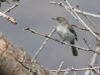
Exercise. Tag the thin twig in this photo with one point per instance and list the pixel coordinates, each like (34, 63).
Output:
(80, 48)
(87, 43)
(97, 71)
(92, 73)
(66, 7)
(80, 20)
(94, 58)
(44, 43)
(89, 19)
(58, 70)
(76, 10)
(75, 15)
(9, 9)
(85, 29)
(12, 20)
(74, 71)
(80, 69)
(66, 72)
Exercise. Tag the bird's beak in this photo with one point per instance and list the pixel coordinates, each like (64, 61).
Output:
(53, 18)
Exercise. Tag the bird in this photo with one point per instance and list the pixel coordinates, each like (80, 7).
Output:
(66, 32)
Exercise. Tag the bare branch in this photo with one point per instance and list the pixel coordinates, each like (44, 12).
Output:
(92, 73)
(74, 71)
(66, 7)
(9, 9)
(12, 20)
(57, 3)
(81, 21)
(58, 70)
(44, 43)
(85, 29)
(75, 15)
(87, 43)
(80, 69)
(66, 72)
(94, 58)
(89, 19)
(76, 10)
(80, 48)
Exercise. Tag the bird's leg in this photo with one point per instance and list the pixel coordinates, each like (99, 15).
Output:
(62, 42)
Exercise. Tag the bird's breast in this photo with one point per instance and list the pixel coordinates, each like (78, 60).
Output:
(64, 33)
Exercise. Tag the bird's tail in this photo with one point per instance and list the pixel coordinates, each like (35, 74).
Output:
(74, 50)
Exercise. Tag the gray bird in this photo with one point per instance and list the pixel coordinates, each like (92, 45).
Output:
(66, 32)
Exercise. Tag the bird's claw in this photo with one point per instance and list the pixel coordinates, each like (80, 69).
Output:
(62, 42)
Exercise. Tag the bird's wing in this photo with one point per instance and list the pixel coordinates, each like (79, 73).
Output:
(73, 31)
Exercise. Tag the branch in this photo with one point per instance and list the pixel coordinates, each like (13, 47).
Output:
(58, 70)
(85, 29)
(81, 21)
(74, 71)
(80, 48)
(80, 69)
(76, 10)
(88, 19)
(94, 58)
(15, 61)
(9, 9)
(44, 43)
(87, 43)
(75, 15)
(12, 20)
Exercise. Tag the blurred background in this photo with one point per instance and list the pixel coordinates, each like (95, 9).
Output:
(37, 15)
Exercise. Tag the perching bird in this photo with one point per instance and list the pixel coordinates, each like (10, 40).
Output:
(66, 32)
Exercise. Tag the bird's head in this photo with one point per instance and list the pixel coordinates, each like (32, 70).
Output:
(60, 20)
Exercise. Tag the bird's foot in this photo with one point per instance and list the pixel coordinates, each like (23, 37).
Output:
(62, 42)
